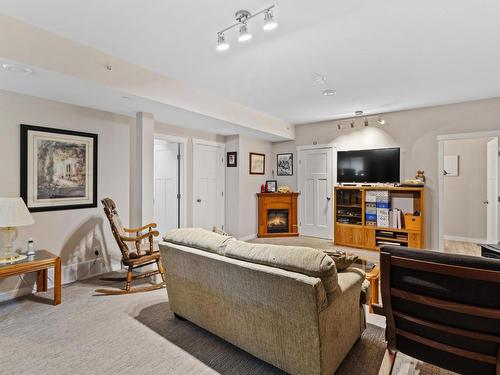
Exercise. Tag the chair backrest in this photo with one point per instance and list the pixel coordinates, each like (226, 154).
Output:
(116, 225)
(443, 309)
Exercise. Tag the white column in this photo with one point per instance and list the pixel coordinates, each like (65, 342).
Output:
(142, 174)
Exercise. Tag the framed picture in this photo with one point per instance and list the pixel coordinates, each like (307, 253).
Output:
(232, 159)
(257, 163)
(271, 186)
(58, 169)
(284, 164)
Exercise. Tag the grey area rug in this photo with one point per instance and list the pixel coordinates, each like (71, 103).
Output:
(135, 334)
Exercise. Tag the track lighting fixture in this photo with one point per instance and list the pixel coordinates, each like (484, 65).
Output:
(245, 36)
(352, 124)
(269, 22)
(241, 20)
(222, 45)
(366, 122)
(339, 127)
(381, 121)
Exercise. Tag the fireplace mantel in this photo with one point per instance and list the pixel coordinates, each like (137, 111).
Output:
(277, 201)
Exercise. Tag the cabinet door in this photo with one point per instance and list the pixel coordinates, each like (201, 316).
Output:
(369, 238)
(414, 240)
(343, 234)
(358, 236)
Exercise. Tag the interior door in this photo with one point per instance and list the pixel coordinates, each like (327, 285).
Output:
(166, 198)
(208, 186)
(492, 190)
(316, 191)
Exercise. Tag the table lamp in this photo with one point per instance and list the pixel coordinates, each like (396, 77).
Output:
(13, 213)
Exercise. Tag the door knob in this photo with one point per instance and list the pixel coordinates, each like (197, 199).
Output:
(198, 200)
(328, 198)
(486, 202)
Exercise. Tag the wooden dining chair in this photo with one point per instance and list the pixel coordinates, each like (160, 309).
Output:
(443, 309)
(138, 248)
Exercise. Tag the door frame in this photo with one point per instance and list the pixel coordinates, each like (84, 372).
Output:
(222, 146)
(333, 172)
(182, 175)
(441, 140)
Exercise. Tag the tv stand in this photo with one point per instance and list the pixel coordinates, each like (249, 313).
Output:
(352, 229)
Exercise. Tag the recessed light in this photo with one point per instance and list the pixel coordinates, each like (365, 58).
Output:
(17, 69)
(319, 79)
(329, 92)
(358, 113)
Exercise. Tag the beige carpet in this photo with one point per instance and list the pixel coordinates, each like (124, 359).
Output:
(137, 334)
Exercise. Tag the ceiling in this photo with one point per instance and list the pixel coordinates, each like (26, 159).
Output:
(378, 56)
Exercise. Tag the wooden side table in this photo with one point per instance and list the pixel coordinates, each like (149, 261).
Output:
(40, 263)
(373, 277)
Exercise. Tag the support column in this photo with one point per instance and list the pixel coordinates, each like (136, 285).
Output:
(142, 174)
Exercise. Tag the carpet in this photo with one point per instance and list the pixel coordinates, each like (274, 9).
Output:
(137, 333)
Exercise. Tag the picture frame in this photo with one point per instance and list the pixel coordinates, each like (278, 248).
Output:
(284, 164)
(257, 163)
(271, 186)
(232, 159)
(58, 168)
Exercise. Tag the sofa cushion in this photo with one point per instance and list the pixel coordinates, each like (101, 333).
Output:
(199, 238)
(304, 260)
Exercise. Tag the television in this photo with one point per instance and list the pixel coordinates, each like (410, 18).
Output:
(368, 166)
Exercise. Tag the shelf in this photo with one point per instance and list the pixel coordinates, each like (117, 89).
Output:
(396, 230)
(390, 239)
(349, 225)
(349, 205)
(353, 216)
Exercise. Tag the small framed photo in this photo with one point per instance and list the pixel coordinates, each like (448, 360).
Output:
(257, 163)
(232, 159)
(271, 186)
(285, 164)
(58, 169)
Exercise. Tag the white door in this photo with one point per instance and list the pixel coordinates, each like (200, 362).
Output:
(208, 185)
(166, 199)
(316, 191)
(492, 190)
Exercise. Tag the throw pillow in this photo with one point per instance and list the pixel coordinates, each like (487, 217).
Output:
(341, 259)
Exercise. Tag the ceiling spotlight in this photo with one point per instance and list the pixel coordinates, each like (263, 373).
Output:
(319, 79)
(352, 124)
(366, 122)
(358, 113)
(245, 36)
(17, 69)
(269, 22)
(329, 92)
(381, 121)
(222, 45)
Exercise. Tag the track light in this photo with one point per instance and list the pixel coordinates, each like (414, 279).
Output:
(339, 127)
(245, 36)
(352, 124)
(381, 121)
(222, 45)
(366, 122)
(241, 19)
(269, 22)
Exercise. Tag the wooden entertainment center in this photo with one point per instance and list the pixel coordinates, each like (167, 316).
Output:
(353, 229)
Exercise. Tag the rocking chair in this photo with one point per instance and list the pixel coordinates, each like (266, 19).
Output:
(141, 255)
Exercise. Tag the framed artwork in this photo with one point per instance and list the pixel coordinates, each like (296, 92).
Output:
(271, 186)
(232, 159)
(257, 163)
(58, 169)
(284, 164)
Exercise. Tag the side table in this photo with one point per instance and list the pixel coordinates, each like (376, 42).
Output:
(40, 263)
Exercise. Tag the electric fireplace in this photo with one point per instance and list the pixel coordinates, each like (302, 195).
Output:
(277, 215)
(277, 221)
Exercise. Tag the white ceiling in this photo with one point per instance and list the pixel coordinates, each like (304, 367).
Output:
(378, 55)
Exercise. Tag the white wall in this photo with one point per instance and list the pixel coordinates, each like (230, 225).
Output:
(415, 131)
(71, 234)
(464, 210)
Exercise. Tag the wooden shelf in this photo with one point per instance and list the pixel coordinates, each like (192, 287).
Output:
(366, 236)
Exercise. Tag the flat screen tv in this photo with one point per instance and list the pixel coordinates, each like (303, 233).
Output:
(368, 166)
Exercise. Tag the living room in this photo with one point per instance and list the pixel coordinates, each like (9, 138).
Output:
(277, 208)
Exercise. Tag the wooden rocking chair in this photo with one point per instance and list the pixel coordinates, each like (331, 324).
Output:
(141, 255)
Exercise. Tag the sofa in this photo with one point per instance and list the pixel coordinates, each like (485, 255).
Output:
(285, 305)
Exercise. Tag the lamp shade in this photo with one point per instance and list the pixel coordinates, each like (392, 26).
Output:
(14, 213)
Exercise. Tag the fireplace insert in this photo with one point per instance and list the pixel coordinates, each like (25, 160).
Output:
(277, 221)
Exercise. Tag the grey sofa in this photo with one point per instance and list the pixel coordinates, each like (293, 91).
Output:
(285, 305)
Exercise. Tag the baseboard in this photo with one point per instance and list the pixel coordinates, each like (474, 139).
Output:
(69, 274)
(465, 239)
(248, 238)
